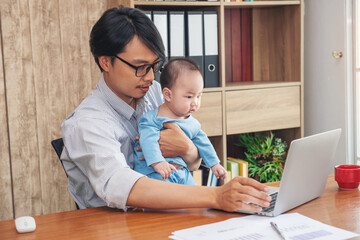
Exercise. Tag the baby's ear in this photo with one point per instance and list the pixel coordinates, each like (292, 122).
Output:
(167, 94)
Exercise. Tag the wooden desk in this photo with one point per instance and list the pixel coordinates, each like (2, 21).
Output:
(335, 207)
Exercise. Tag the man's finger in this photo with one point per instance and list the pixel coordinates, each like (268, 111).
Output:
(254, 196)
(253, 183)
(171, 125)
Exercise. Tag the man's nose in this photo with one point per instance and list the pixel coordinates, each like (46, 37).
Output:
(150, 76)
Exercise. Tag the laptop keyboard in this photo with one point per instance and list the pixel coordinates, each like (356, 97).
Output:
(272, 203)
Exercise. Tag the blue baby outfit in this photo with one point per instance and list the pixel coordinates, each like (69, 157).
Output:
(149, 130)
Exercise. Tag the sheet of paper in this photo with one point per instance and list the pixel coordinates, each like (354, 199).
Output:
(293, 225)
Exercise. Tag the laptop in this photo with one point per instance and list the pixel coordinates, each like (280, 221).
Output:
(309, 162)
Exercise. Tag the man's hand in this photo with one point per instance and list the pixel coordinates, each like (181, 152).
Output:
(163, 168)
(239, 192)
(173, 142)
(138, 148)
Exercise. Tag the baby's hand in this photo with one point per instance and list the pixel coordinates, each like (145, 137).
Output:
(219, 171)
(163, 168)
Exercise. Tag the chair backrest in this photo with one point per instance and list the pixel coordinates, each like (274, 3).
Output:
(58, 145)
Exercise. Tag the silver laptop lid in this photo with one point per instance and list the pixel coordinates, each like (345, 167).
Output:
(308, 164)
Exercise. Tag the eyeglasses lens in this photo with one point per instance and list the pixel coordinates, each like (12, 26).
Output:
(143, 70)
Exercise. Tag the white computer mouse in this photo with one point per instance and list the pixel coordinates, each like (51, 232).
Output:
(25, 224)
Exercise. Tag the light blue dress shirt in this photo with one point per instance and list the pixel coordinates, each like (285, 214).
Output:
(99, 138)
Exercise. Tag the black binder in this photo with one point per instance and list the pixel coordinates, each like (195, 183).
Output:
(211, 49)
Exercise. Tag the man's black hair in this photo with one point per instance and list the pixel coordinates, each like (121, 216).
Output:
(117, 27)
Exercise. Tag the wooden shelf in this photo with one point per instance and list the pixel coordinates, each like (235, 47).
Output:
(272, 98)
(258, 85)
(217, 3)
(260, 4)
(177, 3)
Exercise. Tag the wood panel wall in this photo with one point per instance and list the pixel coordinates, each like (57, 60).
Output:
(6, 207)
(46, 70)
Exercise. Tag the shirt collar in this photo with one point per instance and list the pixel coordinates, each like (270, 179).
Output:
(118, 104)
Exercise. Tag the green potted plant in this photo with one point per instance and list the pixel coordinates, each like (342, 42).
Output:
(266, 156)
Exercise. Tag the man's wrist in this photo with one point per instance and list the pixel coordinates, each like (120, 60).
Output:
(193, 159)
(188, 151)
(214, 201)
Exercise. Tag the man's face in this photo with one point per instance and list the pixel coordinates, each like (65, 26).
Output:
(121, 78)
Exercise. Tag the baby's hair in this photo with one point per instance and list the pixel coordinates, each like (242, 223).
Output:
(173, 68)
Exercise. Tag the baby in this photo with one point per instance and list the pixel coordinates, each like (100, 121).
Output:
(182, 86)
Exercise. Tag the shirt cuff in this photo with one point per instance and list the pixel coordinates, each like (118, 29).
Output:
(116, 195)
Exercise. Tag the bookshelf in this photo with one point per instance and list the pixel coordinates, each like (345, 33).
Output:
(272, 98)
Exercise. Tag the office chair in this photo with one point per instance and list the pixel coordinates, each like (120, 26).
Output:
(58, 145)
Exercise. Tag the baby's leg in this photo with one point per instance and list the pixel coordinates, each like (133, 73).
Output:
(183, 176)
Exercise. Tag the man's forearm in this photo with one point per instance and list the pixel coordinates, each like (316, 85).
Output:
(155, 194)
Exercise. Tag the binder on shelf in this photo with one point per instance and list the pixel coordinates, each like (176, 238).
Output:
(245, 170)
(160, 19)
(236, 51)
(246, 44)
(228, 46)
(148, 13)
(243, 166)
(211, 49)
(177, 34)
(195, 40)
(208, 177)
(238, 45)
(233, 167)
(205, 173)
(212, 180)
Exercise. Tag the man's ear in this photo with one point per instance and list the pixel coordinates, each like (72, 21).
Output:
(167, 94)
(105, 62)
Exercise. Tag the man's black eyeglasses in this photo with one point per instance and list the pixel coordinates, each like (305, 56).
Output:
(143, 69)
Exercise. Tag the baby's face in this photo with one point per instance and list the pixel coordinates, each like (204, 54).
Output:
(186, 93)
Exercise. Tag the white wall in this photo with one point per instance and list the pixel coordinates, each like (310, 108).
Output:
(329, 97)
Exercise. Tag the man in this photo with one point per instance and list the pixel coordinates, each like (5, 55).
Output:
(100, 134)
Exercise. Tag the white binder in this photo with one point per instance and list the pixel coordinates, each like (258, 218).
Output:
(160, 19)
(177, 34)
(195, 41)
(148, 13)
